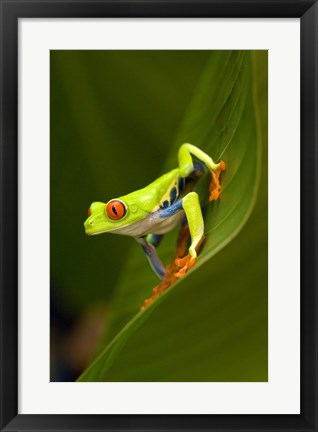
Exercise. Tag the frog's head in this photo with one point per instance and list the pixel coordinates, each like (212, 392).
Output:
(113, 216)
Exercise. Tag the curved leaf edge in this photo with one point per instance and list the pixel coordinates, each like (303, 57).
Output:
(143, 315)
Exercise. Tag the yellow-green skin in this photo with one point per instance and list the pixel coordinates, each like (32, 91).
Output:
(152, 211)
(139, 205)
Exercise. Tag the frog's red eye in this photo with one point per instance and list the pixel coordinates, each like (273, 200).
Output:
(115, 209)
(89, 211)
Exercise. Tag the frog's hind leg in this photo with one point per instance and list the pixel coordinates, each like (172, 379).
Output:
(172, 268)
(151, 253)
(187, 166)
(192, 228)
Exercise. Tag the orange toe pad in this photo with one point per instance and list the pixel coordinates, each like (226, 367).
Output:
(185, 263)
(215, 185)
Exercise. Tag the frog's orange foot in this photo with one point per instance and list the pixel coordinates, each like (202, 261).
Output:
(159, 289)
(215, 186)
(166, 282)
(171, 269)
(185, 263)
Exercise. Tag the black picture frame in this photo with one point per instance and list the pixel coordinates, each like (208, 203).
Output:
(11, 11)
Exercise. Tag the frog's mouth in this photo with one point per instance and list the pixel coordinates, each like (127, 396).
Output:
(128, 229)
(93, 233)
(90, 229)
(131, 229)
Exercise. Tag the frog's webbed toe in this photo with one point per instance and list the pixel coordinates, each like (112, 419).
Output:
(215, 186)
(185, 263)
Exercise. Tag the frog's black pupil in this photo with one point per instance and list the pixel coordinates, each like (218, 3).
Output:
(114, 210)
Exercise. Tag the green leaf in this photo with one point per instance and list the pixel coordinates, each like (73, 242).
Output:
(210, 325)
(113, 117)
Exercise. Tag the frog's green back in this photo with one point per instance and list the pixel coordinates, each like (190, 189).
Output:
(149, 198)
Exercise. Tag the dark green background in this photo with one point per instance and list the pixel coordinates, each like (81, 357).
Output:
(114, 115)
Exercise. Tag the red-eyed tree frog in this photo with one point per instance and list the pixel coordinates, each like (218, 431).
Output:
(148, 213)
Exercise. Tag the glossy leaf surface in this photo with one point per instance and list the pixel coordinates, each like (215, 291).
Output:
(212, 324)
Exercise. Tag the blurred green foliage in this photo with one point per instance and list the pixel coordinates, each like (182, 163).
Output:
(115, 118)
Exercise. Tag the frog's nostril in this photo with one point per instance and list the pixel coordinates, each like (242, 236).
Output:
(91, 222)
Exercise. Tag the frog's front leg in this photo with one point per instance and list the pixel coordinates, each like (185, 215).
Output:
(186, 167)
(192, 209)
(148, 245)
